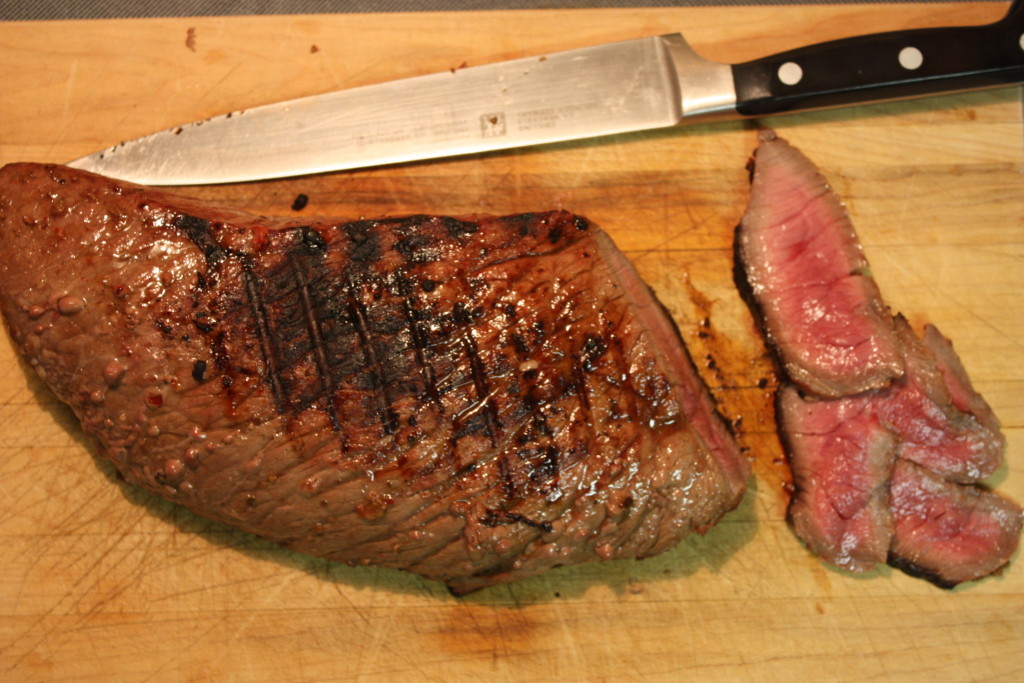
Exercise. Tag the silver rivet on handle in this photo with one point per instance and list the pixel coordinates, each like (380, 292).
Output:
(911, 58)
(790, 73)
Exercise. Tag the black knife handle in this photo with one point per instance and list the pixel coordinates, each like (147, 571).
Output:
(884, 66)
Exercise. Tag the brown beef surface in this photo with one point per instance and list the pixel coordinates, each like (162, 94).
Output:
(471, 399)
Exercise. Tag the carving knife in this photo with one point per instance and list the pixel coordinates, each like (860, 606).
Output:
(621, 87)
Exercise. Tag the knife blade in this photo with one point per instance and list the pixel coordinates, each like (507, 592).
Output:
(615, 88)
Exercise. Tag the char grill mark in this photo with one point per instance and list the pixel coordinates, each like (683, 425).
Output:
(198, 230)
(199, 370)
(531, 468)
(420, 343)
(309, 310)
(373, 370)
(584, 363)
(265, 335)
(483, 404)
(318, 331)
(367, 326)
(495, 518)
(287, 317)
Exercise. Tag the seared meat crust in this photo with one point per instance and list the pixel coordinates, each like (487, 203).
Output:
(472, 399)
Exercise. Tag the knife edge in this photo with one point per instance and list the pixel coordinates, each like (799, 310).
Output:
(607, 89)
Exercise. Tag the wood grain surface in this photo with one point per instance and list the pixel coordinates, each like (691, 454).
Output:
(99, 581)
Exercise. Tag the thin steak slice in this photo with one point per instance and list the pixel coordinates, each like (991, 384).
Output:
(948, 533)
(941, 422)
(884, 473)
(961, 392)
(818, 304)
(472, 399)
(841, 457)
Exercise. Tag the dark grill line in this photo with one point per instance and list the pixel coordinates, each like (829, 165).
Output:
(579, 382)
(317, 343)
(482, 387)
(419, 343)
(550, 469)
(265, 334)
(358, 315)
(493, 518)
(506, 476)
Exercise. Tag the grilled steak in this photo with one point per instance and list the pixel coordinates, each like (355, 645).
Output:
(884, 470)
(474, 400)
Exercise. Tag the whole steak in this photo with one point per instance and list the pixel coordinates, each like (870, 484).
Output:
(474, 400)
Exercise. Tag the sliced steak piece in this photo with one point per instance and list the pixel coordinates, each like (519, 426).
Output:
(934, 429)
(841, 457)
(818, 304)
(883, 469)
(472, 399)
(961, 391)
(842, 450)
(948, 533)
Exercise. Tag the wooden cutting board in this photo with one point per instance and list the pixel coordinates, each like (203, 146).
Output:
(99, 581)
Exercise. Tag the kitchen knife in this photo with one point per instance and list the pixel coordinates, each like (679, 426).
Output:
(620, 87)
